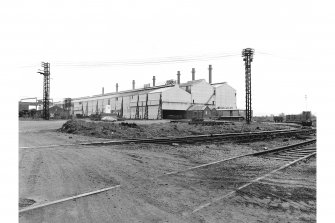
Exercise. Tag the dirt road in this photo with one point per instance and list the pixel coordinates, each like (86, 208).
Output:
(49, 174)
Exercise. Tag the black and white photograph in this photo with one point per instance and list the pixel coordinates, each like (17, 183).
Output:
(167, 111)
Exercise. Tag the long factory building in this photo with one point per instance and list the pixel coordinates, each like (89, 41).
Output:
(193, 99)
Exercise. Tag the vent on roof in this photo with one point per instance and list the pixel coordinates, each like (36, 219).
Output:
(170, 82)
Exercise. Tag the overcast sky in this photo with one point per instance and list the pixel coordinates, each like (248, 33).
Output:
(291, 41)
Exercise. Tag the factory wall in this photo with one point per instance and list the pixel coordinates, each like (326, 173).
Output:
(126, 107)
(201, 92)
(225, 97)
(176, 98)
(175, 94)
(153, 112)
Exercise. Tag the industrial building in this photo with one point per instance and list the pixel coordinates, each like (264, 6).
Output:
(195, 98)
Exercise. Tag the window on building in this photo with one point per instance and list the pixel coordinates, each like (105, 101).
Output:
(116, 99)
(214, 91)
(213, 102)
(193, 101)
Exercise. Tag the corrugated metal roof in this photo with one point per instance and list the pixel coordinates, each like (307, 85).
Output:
(218, 84)
(227, 109)
(197, 107)
(124, 93)
(160, 90)
(131, 92)
(188, 83)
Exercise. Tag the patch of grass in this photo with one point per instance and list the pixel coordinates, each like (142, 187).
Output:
(128, 131)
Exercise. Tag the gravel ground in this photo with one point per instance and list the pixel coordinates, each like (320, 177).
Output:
(119, 131)
(146, 194)
(286, 196)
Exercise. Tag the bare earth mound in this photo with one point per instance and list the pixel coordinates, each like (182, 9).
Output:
(131, 130)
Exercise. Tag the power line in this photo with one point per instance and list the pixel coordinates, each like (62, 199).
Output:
(143, 62)
(148, 61)
(175, 57)
(140, 63)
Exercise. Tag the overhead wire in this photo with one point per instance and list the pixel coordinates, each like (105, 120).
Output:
(141, 62)
(152, 61)
(148, 61)
(178, 57)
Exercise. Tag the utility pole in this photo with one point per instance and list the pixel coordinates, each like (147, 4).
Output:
(137, 114)
(46, 89)
(146, 113)
(248, 57)
(160, 108)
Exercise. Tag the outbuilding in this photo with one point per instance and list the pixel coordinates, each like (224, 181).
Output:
(199, 112)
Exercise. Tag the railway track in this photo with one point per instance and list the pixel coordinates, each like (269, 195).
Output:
(287, 153)
(300, 152)
(242, 137)
(290, 155)
(291, 152)
(214, 137)
(258, 179)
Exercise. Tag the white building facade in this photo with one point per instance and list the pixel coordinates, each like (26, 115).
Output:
(165, 101)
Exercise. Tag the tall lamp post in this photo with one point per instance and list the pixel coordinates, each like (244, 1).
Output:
(248, 57)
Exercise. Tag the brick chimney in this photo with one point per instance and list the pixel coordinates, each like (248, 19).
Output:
(178, 77)
(117, 87)
(193, 74)
(153, 81)
(210, 74)
(133, 84)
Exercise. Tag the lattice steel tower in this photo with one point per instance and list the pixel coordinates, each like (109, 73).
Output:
(46, 89)
(248, 57)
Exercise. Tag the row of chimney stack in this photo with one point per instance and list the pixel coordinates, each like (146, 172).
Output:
(178, 79)
(193, 75)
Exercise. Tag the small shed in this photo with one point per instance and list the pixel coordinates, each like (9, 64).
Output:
(199, 112)
(214, 113)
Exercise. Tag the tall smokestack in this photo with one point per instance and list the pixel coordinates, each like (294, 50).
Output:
(133, 84)
(210, 74)
(103, 91)
(178, 77)
(193, 74)
(117, 87)
(153, 81)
